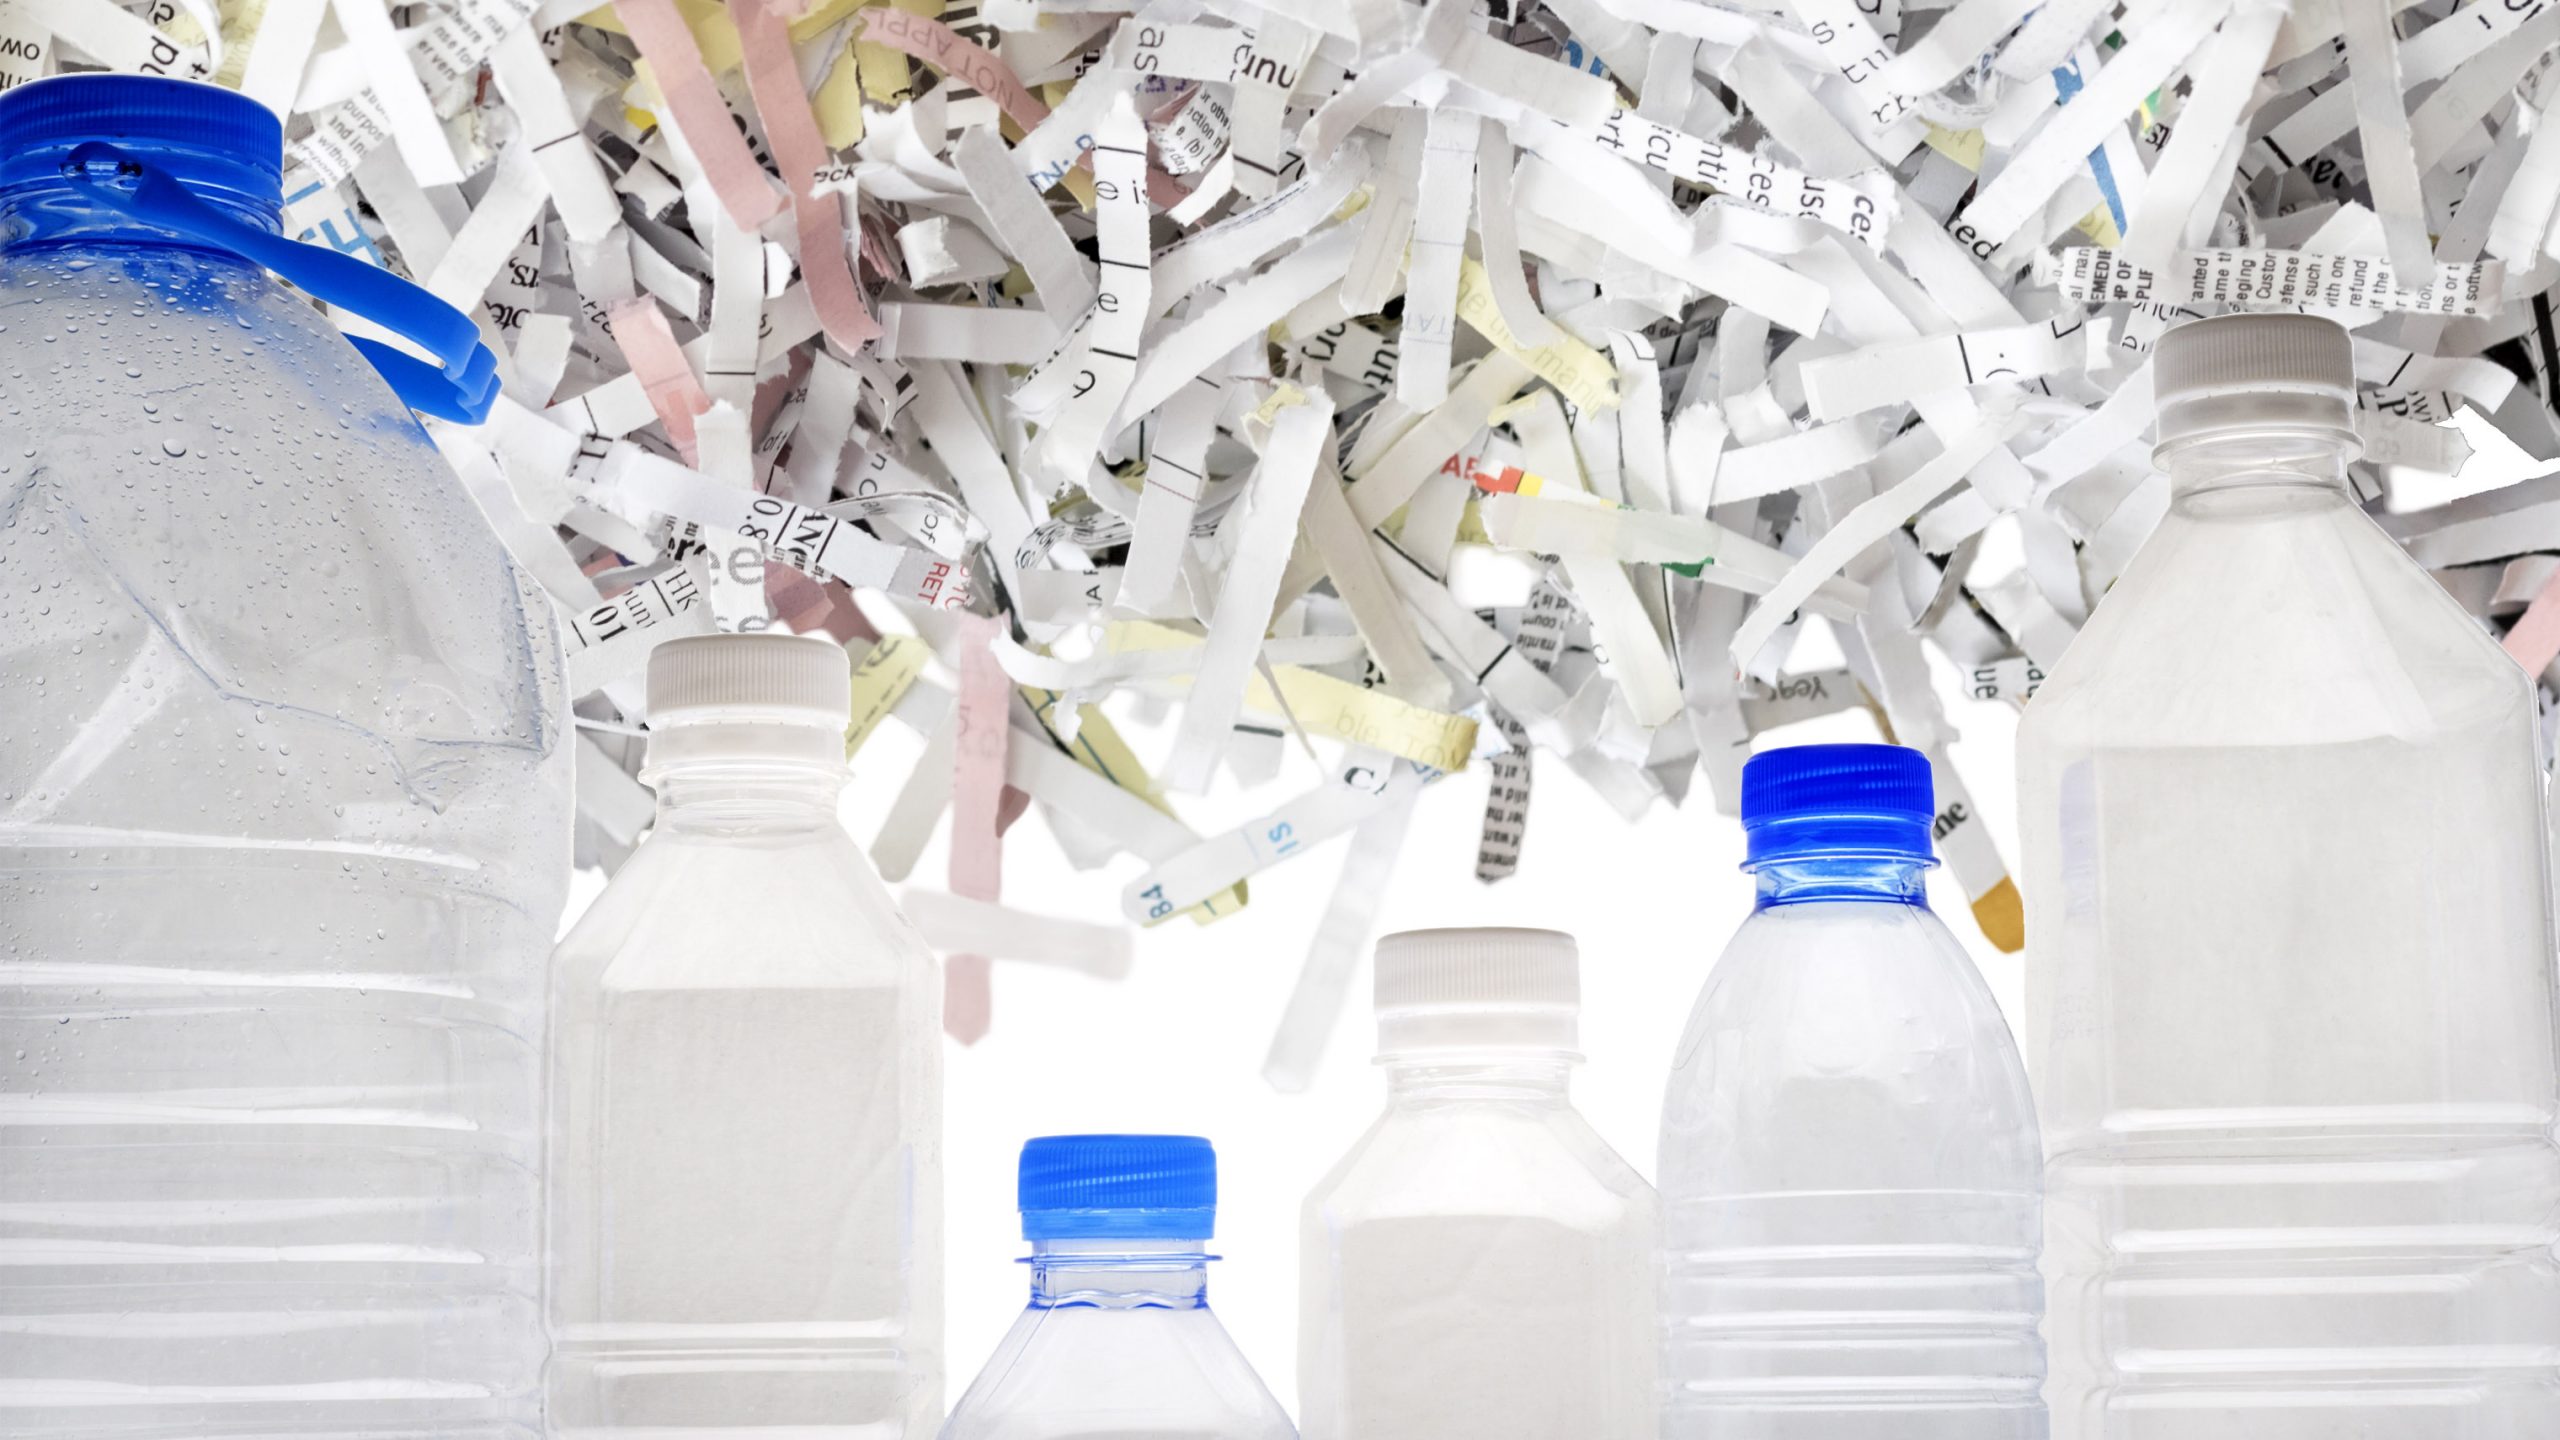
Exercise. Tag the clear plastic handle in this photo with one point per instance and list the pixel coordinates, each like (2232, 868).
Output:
(462, 383)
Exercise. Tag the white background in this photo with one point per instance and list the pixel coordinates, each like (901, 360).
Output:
(1177, 1047)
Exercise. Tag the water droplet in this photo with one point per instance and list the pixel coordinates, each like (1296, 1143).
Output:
(172, 449)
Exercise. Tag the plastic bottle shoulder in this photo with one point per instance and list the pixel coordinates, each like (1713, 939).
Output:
(2284, 616)
(1849, 1044)
(695, 912)
(210, 497)
(1075, 1372)
(1483, 1157)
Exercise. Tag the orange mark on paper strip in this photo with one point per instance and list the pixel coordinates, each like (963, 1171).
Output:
(1509, 480)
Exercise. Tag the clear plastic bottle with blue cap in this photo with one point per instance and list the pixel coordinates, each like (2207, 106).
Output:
(1850, 1172)
(284, 816)
(2289, 938)
(1118, 1342)
(1480, 1266)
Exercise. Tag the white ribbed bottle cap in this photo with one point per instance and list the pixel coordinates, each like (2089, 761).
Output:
(763, 679)
(1478, 989)
(2252, 372)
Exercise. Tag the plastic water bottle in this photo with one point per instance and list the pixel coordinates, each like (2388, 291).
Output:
(746, 1089)
(1118, 1343)
(2290, 994)
(284, 820)
(1480, 1266)
(1849, 1157)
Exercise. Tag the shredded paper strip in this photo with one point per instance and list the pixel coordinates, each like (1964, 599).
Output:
(1065, 358)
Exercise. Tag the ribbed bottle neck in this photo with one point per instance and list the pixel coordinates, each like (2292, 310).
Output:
(56, 212)
(1885, 879)
(711, 792)
(2251, 459)
(1422, 1077)
(1120, 1274)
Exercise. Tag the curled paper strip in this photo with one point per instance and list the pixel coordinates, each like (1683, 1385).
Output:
(1175, 363)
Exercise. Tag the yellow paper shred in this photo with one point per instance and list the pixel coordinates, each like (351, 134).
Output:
(881, 678)
(1326, 706)
(1583, 374)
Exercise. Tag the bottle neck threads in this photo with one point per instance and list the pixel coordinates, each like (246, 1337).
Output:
(2298, 456)
(1511, 1075)
(1799, 879)
(1120, 1273)
(735, 775)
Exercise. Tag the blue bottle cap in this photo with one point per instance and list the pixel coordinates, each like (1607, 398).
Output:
(208, 138)
(1098, 1187)
(1809, 801)
(149, 159)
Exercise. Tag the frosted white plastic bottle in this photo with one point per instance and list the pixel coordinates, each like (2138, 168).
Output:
(745, 1191)
(2290, 990)
(284, 833)
(1849, 1161)
(1479, 1267)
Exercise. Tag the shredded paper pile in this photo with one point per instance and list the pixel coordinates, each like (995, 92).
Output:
(1180, 353)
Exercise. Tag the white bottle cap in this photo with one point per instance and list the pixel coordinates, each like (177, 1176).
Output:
(2252, 372)
(765, 679)
(747, 697)
(1481, 989)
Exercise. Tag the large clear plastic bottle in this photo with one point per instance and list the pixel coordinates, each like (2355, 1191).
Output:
(1118, 1342)
(1849, 1157)
(746, 1090)
(2290, 994)
(284, 834)
(1480, 1266)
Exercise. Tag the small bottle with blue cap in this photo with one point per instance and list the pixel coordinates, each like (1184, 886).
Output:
(1118, 1342)
(1851, 1177)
